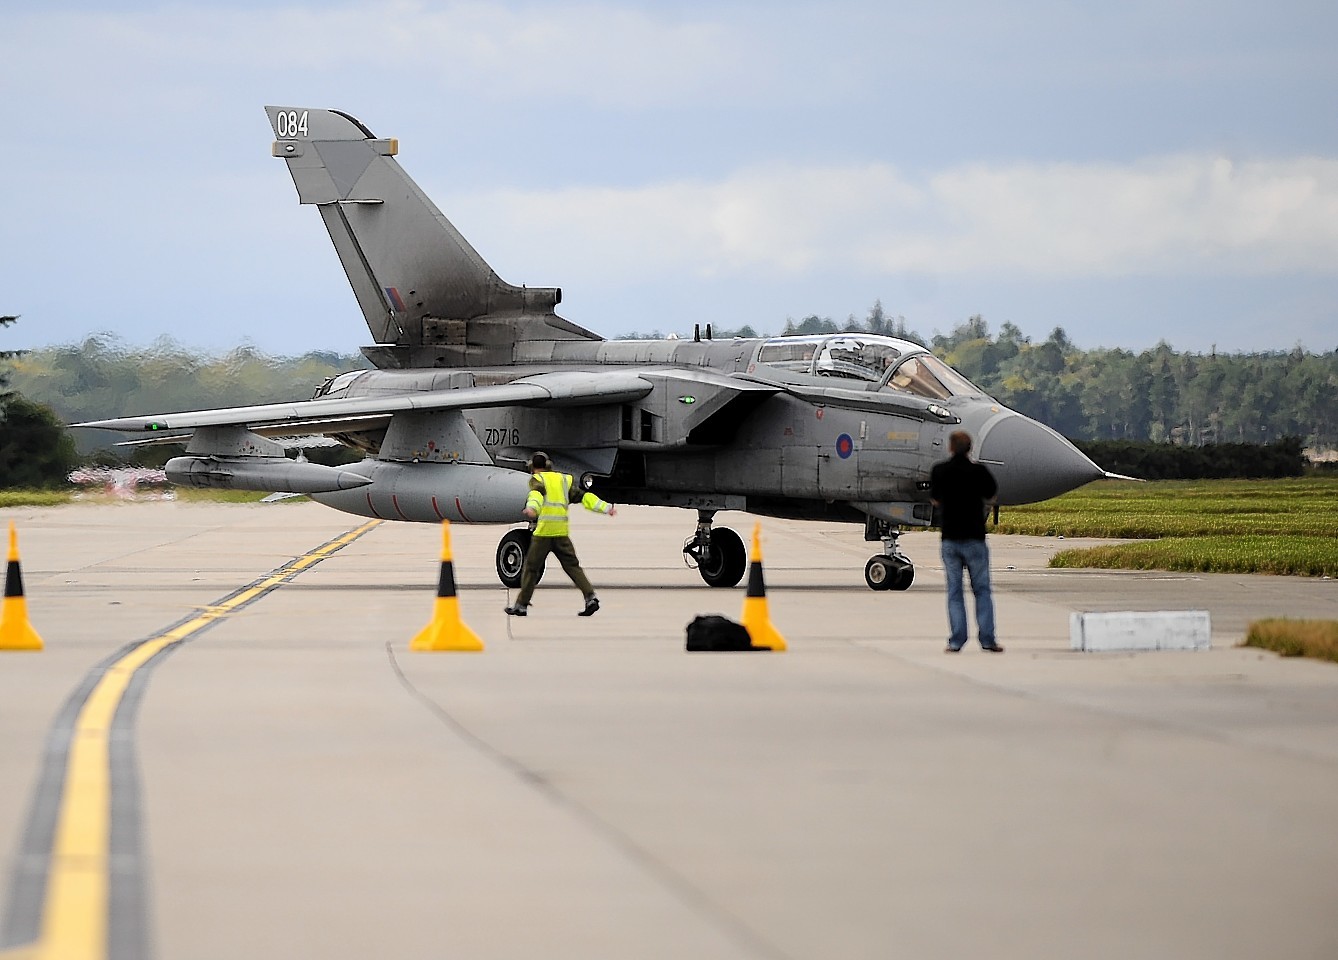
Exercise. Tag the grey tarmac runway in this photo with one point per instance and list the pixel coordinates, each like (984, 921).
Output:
(277, 776)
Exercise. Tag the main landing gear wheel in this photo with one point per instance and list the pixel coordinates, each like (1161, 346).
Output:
(889, 573)
(718, 555)
(511, 557)
(726, 559)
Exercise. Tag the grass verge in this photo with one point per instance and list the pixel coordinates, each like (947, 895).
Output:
(35, 498)
(1305, 506)
(1282, 555)
(1287, 527)
(1317, 639)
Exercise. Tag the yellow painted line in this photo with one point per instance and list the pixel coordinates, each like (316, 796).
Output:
(74, 916)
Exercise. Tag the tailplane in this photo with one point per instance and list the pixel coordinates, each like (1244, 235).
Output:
(428, 297)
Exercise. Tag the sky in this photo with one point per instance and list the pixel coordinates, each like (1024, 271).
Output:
(1131, 172)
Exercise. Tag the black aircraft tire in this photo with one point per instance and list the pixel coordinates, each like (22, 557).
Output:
(879, 574)
(511, 557)
(905, 576)
(727, 560)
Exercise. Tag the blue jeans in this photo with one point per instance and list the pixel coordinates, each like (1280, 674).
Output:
(975, 556)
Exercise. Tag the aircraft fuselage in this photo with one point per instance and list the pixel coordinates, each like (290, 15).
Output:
(827, 433)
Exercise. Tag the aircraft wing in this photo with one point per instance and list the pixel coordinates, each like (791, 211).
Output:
(569, 388)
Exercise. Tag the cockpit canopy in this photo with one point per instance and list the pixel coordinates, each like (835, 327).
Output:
(884, 363)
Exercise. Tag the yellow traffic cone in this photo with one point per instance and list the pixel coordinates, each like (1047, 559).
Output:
(446, 631)
(16, 633)
(755, 617)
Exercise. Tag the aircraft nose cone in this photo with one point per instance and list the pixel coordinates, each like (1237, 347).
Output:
(1031, 462)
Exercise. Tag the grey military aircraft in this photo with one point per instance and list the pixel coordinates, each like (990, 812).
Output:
(473, 374)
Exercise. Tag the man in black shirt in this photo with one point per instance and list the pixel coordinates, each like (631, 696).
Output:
(962, 490)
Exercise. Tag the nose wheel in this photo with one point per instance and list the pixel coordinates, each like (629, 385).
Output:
(890, 570)
(889, 573)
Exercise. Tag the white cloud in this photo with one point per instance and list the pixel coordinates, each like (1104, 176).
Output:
(1197, 215)
(1185, 214)
(597, 53)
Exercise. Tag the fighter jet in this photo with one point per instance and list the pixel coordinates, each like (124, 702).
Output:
(473, 375)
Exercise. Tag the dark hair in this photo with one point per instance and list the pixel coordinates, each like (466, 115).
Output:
(959, 441)
(539, 461)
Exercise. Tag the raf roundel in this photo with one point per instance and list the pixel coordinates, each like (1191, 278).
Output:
(844, 446)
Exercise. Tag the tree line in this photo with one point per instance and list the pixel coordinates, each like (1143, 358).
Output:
(103, 377)
(35, 447)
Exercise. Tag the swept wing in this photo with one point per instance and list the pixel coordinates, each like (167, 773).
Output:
(568, 388)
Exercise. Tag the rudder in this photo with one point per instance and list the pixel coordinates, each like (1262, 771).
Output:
(418, 281)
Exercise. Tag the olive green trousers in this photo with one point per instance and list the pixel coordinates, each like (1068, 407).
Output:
(537, 557)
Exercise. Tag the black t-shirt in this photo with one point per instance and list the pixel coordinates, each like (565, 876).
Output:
(961, 486)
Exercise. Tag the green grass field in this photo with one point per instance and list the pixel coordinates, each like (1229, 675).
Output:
(1183, 508)
(35, 498)
(52, 498)
(1216, 526)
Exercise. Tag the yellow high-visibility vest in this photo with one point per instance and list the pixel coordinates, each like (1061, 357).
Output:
(550, 502)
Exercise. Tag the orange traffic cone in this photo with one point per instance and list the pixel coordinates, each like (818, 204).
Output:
(16, 633)
(755, 616)
(447, 631)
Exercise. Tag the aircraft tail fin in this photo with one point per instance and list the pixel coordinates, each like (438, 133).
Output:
(428, 297)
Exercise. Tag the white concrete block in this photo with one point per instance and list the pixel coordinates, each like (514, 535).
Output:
(1141, 630)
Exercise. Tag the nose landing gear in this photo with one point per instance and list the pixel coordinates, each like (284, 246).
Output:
(890, 570)
(718, 554)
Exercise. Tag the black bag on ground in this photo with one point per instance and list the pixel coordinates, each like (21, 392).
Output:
(714, 632)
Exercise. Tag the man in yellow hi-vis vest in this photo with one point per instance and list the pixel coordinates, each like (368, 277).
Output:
(550, 493)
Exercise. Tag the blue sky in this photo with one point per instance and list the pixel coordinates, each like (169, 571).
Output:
(1131, 172)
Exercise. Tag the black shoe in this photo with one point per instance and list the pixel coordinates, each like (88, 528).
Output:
(951, 649)
(591, 605)
(519, 610)
(992, 648)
